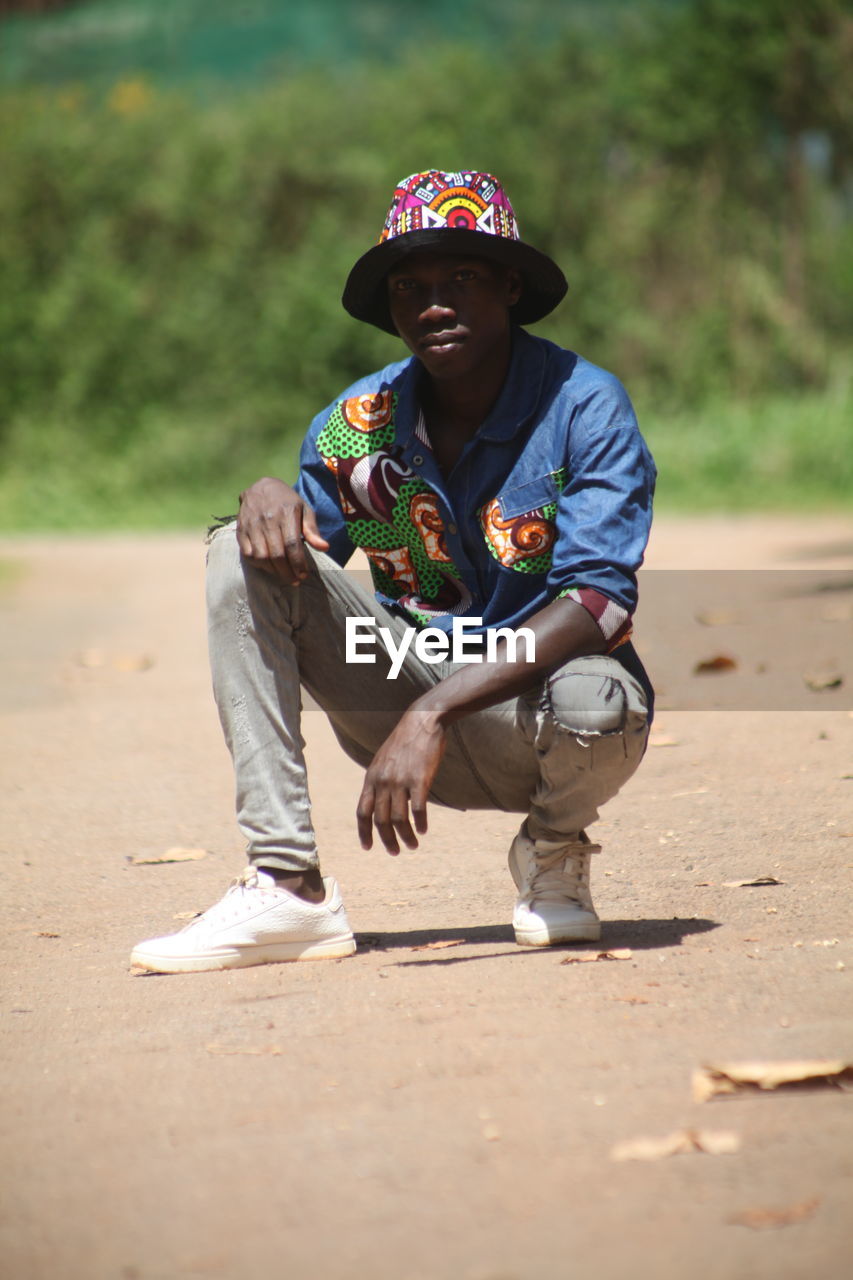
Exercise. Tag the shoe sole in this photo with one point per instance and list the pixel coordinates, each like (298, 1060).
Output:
(541, 938)
(243, 957)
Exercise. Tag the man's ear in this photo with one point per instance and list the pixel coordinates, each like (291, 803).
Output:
(514, 286)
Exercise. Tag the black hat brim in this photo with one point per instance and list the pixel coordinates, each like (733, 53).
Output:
(365, 295)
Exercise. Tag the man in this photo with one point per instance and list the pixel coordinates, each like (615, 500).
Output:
(491, 477)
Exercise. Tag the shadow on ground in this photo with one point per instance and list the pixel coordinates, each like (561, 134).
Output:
(639, 935)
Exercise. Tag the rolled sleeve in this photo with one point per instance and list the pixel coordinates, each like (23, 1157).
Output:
(604, 512)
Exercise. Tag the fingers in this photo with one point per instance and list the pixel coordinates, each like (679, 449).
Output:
(364, 817)
(284, 539)
(391, 820)
(272, 528)
(287, 548)
(387, 809)
(397, 781)
(418, 800)
(310, 531)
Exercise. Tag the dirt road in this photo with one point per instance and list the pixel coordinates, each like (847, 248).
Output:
(443, 1106)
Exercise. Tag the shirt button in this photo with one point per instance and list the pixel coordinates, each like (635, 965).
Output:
(418, 460)
(451, 528)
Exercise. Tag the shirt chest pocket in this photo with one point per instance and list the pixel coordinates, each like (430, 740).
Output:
(524, 498)
(519, 525)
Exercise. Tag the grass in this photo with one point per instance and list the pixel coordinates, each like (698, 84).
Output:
(773, 453)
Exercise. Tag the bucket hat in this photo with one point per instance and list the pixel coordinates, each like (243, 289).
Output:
(467, 213)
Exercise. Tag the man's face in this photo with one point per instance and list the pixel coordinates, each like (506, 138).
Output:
(453, 312)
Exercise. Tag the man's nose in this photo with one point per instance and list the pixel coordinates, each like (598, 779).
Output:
(435, 304)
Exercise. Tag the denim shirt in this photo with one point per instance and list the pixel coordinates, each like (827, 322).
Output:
(551, 497)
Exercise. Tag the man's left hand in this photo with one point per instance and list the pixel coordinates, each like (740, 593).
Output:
(398, 781)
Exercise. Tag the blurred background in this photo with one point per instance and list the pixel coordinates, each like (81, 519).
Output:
(185, 185)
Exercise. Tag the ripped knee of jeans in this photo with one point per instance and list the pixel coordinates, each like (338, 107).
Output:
(585, 704)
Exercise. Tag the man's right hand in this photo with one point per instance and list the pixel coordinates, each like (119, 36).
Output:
(272, 528)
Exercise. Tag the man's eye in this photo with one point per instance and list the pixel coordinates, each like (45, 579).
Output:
(466, 273)
(402, 284)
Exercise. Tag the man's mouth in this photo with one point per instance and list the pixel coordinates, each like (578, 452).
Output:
(443, 341)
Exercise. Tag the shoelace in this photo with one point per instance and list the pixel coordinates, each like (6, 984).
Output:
(559, 875)
(231, 906)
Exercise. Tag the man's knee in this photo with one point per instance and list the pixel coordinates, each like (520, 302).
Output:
(592, 697)
(586, 703)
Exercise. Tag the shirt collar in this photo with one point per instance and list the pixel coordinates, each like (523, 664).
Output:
(521, 391)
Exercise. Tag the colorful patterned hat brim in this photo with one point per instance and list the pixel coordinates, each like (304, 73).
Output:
(467, 213)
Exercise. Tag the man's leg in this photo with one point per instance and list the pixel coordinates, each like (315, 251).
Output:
(266, 640)
(265, 637)
(589, 731)
(559, 755)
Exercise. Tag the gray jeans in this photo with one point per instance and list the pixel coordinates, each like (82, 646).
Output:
(555, 754)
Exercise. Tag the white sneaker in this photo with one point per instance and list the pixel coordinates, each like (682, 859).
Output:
(255, 923)
(554, 903)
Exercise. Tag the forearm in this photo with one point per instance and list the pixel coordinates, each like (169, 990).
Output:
(562, 630)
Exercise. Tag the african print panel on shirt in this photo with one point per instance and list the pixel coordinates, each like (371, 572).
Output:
(390, 511)
(522, 542)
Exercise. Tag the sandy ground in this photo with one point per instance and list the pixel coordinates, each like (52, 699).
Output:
(444, 1105)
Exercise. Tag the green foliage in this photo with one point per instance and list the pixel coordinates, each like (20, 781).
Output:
(760, 454)
(171, 272)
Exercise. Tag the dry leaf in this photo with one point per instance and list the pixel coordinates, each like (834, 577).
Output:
(259, 1050)
(177, 854)
(622, 953)
(45, 933)
(717, 617)
(756, 882)
(713, 1079)
(661, 740)
(438, 946)
(719, 1142)
(761, 1219)
(133, 662)
(712, 666)
(90, 658)
(491, 1132)
(820, 680)
(631, 999)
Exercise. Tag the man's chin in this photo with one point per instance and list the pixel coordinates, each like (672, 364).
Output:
(447, 360)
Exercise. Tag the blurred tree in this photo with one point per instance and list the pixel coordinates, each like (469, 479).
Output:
(171, 263)
(740, 90)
